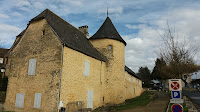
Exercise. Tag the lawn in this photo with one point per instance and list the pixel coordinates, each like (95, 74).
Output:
(2, 96)
(144, 99)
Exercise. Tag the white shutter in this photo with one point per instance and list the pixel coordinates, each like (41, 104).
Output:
(19, 103)
(90, 99)
(87, 68)
(37, 100)
(32, 65)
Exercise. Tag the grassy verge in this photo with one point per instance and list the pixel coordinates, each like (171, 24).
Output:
(2, 96)
(142, 100)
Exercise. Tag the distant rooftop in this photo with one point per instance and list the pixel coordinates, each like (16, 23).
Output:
(3, 52)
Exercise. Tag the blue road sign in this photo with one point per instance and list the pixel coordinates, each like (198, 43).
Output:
(176, 94)
(177, 108)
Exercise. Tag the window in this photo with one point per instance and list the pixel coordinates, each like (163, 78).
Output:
(87, 68)
(19, 103)
(90, 99)
(37, 100)
(110, 47)
(1, 60)
(31, 67)
(43, 32)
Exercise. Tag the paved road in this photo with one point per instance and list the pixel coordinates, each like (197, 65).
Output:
(194, 95)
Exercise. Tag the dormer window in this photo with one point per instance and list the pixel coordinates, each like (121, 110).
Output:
(110, 47)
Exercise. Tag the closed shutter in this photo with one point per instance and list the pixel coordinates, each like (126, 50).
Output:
(87, 68)
(90, 99)
(19, 103)
(37, 100)
(32, 65)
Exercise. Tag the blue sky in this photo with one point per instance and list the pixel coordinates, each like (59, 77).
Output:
(137, 21)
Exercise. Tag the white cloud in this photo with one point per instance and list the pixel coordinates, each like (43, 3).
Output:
(142, 20)
(141, 49)
(8, 34)
(16, 14)
(3, 16)
(73, 2)
(135, 26)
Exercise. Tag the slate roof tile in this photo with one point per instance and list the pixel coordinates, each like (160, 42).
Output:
(69, 35)
(107, 30)
(131, 72)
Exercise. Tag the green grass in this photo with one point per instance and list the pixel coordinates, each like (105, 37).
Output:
(2, 96)
(142, 100)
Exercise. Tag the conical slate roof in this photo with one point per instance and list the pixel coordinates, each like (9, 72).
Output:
(68, 34)
(107, 30)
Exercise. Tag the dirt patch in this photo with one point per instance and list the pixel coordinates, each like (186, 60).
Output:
(1, 106)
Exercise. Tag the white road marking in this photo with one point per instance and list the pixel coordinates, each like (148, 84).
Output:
(196, 98)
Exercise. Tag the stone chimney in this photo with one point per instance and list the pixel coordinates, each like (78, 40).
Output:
(84, 30)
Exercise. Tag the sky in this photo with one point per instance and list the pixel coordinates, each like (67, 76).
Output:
(139, 22)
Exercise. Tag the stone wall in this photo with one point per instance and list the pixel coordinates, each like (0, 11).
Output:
(75, 84)
(39, 42)
(113, 83)
(133, 86)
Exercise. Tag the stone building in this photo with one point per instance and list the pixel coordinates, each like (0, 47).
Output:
(2, 60)
(3, 79)
(52, 64)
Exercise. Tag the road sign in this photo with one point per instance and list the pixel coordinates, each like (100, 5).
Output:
(175, 84)
(176, 94)
(176, 100)
(177, 108)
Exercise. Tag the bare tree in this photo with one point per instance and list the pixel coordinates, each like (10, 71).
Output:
(178, 55)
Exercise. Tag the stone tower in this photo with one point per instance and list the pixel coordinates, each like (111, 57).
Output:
(108, 41)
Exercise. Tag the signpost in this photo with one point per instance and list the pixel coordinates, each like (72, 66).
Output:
(175, 86)
(176, 101)
(176, 94)
(177, 108)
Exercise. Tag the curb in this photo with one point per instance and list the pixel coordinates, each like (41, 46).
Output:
(192, 107)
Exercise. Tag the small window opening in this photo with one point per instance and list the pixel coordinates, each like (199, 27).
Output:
(43, 32)
(103, 99)
(110, 47)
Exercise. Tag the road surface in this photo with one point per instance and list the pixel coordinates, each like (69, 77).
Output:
(193, 95)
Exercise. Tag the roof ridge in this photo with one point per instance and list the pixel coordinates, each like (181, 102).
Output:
(47, 10)
(70, 35)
